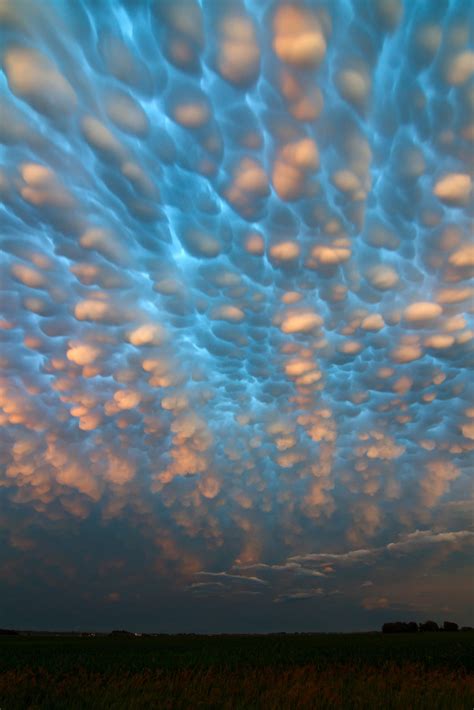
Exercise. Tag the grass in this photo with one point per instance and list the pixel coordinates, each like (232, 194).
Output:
(279, 671)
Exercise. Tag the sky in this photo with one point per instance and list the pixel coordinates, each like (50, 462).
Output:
(236, 314)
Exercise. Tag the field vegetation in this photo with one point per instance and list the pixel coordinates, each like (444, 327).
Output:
(275, 671)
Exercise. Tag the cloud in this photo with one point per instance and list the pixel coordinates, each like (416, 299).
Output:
(83, 354)
(408, 542)
(147, 334)
(298, 37)
(300, 321)
(238, 52)
(34, 77)
(422, 311)
(232, 579)
(127, 114)
(436, 481)
(453, 189)
(299, 595)
(236, 296)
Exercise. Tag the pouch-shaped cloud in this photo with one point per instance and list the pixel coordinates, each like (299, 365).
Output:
(345, 181)
(122, 62)
(188, 106)
(254, 244)
(437, 480)
(233, 314)
(453, 189)
(238, 52)
(439, 341)
(147, 334)
(300, 321)
(182, 24)
(104, 241)
(33, 77)
(298, 38)
(422, 311)
(382, 277)
(83, 353)
(285, 251)
(406, 353)
(330, 256)
(127, 399)
(28, 275)
(373, 322)
(236, 318)
(199, 243)
(249, 185)
(354, 84)
(460, 68)
(464, 256)
(42, 187)
(101, 309)
(294, 161)
(127, 113)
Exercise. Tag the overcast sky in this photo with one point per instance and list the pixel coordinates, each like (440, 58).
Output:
(236, 314)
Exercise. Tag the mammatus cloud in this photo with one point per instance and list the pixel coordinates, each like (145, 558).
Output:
(236, 298)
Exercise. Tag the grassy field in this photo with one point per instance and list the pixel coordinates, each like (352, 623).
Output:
(277, 671)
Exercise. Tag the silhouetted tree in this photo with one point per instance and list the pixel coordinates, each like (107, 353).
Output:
(450, 626)
(429, 626)
(121, 632)
(403, 627)
(400, 627)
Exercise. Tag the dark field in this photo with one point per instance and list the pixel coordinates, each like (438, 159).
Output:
(429, 670)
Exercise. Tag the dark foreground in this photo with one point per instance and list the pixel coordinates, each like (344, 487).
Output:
(277, 671)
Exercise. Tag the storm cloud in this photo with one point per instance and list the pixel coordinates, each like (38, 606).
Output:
(236, 311)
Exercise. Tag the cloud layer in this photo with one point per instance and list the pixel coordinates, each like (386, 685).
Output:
(236, 302)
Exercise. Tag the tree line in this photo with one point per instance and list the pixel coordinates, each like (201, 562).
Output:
(411, 627)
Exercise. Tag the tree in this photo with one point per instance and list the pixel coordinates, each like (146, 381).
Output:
(429, 626)
(399, 627)
(450, 626)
